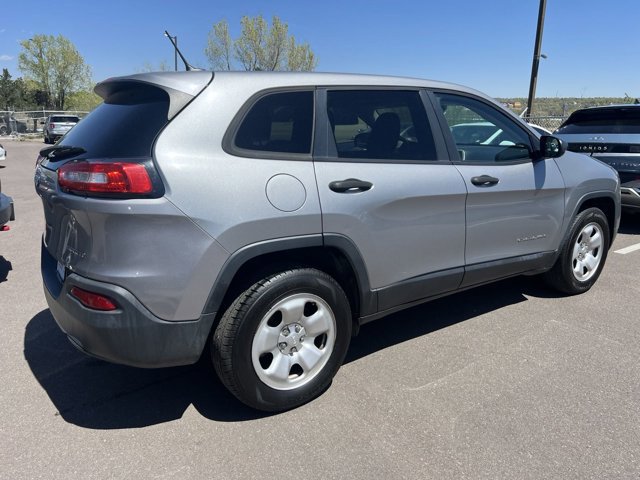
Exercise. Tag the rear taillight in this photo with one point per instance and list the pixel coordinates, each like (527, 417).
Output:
(52, 126)
(105, 178)
(93, 300)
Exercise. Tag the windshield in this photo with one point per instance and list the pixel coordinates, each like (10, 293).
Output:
(605, 120)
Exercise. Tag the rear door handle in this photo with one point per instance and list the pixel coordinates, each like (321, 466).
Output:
(484, 180)
(350, 185)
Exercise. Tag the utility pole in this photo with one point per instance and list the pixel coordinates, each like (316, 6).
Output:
(536, 57)
(174, 42)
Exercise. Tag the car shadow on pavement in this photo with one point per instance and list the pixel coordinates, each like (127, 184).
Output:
(5, 268)
(444, 312)
(95, 394)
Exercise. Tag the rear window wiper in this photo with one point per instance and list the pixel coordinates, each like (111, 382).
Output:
(59, 152)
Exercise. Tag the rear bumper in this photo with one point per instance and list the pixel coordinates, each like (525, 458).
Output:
(7, 213)
(130, 335)
(630, 198)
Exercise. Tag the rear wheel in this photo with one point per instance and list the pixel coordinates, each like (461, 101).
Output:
(281, 341)
(583, 256)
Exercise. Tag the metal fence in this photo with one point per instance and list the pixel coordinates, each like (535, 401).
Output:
(457, 115)
(550, 123)
(30, 121)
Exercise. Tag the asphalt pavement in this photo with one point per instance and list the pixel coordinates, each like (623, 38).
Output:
(505, 381)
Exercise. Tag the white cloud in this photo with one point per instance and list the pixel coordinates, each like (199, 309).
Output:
(5, 58)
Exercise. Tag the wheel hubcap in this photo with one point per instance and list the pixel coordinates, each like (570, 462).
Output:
(294, 341)
(291, 338)
(587, 252)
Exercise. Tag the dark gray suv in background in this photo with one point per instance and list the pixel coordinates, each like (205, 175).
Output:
(271, 214)
(612, 135)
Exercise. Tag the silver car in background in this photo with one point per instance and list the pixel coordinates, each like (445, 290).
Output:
(269, 215)
(58, 125)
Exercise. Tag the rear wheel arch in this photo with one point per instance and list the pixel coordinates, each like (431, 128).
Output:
(336, 256)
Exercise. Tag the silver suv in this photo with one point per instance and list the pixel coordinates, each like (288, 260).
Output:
(271, 214)
(58, 125)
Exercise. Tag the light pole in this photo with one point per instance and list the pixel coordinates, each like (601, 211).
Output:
(174, 42)
(536, 57)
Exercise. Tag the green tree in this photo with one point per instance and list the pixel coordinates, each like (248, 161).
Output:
(55, 64)
(260, 46)
(84, 101)
(9, 91)
(219, 47)
(163, 66)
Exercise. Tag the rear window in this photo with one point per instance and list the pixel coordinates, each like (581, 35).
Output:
(65, 119)
(609, 120)
(125, 125)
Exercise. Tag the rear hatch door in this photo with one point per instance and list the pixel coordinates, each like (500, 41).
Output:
(122, 130)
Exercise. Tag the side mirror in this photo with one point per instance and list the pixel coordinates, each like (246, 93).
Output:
(551, 147)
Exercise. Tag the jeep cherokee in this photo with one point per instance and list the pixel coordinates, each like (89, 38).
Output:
(271, 214)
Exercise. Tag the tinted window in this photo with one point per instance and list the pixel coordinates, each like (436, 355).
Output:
(125, 125)
(481, 132)
(605, 120)
(64, 119)
(380, 124)
(279, 122)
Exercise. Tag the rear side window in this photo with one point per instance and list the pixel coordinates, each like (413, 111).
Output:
(380, 124)
(278, 122)
(609, 120)
(125, 125)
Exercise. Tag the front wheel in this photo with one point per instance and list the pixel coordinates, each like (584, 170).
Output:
(583, 256)
(282, 340)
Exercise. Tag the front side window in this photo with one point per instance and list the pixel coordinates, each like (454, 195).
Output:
(481, 132)
(380, 124)
(278, 122)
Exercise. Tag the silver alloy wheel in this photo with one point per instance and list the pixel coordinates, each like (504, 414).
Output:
(587, 252)
(293, 341)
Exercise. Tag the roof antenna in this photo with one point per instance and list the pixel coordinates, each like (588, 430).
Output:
(187, 66)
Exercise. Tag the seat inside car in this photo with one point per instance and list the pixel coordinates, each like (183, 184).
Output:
(384, 136)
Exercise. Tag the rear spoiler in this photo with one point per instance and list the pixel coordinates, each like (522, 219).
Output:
(181, 87)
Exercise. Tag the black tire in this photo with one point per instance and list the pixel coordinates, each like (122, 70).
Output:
(563, 276)
(46, 139)
(233, 339)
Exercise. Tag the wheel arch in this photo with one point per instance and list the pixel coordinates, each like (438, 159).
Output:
(334, 254)
(605, 201)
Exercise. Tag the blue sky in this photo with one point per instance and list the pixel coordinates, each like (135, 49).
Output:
(592, 46)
